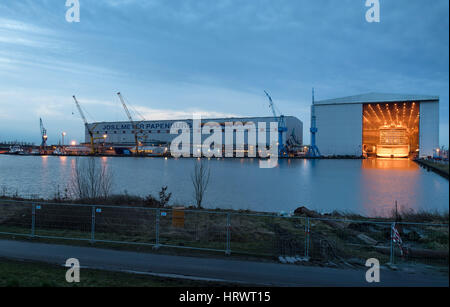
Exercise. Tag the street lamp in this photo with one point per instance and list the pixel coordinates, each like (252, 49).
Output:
(63, 135)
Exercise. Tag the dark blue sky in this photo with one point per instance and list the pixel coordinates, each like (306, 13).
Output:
(173, 58)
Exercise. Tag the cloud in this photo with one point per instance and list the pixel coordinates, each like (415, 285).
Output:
(14, 32)
(256, 15)
(22, 27)
(181, 56)
(162, 114)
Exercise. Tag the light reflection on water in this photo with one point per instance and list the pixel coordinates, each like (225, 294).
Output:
(368, 187)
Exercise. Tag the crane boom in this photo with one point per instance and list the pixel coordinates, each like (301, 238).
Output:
(125, 108)
(282, 150)
(272, 106)
(82, 114)
(86, 124)
(130, 118)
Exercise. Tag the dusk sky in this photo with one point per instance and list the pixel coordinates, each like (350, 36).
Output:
(171, 58)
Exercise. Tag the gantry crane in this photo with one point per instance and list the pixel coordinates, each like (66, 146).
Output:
(133, 124)
(282, 150)
(90, 130)
(43, 135)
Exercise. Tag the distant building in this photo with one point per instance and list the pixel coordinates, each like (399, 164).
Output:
(122, 134)
(385, 125)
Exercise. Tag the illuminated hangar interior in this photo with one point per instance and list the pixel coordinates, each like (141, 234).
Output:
(391, 129)
(377, 124)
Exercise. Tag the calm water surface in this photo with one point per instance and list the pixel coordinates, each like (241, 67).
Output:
(368, 187)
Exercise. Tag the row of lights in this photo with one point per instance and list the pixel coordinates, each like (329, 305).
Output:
(367, 114)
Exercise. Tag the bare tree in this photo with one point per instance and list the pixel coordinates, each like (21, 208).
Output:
(90, 180)
(164, 197)
(200, 180)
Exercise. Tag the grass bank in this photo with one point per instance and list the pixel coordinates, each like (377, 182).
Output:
(32, 274)
(439, 168)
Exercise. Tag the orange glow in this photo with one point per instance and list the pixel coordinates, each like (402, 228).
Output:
(391, 129)
(380, 187)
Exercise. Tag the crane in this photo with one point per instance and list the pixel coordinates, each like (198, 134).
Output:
(282, 150)
(90, 130)
(43, 135)
(130, 118)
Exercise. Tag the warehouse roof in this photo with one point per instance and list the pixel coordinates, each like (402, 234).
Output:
(377, 97)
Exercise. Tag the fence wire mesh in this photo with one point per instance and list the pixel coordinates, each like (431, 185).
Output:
(62, 221)
(348, 241)
(193, 229)
(267, 235)
(124, 224)
(15, 218)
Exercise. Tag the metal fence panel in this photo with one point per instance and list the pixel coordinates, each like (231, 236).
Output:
(267, 235)
(193, 229)
(341, 241)
(15, 218)
(125, 224)
(63, 221)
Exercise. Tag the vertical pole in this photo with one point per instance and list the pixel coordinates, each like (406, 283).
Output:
(33, 220)
(307, 237)
(93, 225)
(228, 250)
(391, 258)
(158, 214)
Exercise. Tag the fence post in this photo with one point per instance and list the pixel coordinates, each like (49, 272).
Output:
(93, 225)
(158, 214)
(307, 237)
(33, 220)
(391, 258)
(228, 250)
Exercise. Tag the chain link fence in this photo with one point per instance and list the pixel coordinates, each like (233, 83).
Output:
(288, 238)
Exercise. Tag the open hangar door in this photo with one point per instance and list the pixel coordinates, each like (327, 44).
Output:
(391, 130)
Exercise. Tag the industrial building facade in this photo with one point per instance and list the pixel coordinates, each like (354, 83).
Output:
(383, 125)
(154, 133)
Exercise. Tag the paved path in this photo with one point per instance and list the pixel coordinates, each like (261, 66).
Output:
(247, 272)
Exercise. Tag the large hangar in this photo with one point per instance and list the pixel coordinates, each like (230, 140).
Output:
(383, 125)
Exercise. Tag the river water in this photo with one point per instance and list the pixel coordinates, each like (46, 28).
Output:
(369, 187)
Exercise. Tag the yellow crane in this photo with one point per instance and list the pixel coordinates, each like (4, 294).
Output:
(133, 124)
(89, 129)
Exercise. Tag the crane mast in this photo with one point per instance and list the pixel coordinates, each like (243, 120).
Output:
(43, 135)
(313, 150)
